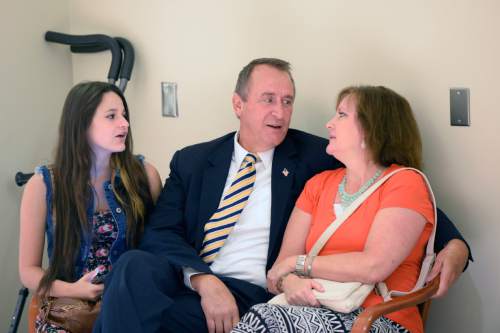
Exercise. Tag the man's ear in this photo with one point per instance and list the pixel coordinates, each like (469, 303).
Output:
(237, 105)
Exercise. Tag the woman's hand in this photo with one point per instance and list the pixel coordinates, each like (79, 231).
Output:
(278, 270)
(85, 289)
(299, 291)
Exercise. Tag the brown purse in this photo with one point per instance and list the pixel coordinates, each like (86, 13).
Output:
(72, 314)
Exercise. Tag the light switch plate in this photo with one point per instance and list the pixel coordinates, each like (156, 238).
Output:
(459, 107)
(169, 107)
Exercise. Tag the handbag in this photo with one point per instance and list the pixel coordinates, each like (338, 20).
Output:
(342, 297)
(72, 314)
(346, 297)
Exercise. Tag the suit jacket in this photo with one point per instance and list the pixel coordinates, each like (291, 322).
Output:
(193, 190)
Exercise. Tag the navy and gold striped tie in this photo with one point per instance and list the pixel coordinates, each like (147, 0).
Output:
(220, 225)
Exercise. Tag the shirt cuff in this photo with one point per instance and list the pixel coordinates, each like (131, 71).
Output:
(188, 272)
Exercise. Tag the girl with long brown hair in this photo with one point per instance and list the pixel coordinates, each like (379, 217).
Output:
(92, 202)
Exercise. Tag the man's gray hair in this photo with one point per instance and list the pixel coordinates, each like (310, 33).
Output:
(244, 75)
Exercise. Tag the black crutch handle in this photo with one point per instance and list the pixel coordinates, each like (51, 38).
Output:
(128, 58)
(98, 42)
(22, 178)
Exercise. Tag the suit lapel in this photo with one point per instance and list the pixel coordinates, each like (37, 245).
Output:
(282, 178)
(212, 184)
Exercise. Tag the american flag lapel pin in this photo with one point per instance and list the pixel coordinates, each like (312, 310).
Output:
(285, 172)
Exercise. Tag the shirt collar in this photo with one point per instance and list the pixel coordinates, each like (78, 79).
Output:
(239, 153)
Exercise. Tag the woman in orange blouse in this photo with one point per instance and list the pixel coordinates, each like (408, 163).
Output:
(372, 133)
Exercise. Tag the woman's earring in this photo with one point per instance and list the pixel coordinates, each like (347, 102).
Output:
(363, 144)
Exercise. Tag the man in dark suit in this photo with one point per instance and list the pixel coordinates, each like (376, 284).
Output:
(167, 286)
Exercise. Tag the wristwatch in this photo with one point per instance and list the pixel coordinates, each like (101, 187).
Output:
(300, 265)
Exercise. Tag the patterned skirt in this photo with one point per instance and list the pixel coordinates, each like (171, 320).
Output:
(264, 318)
(41, 326)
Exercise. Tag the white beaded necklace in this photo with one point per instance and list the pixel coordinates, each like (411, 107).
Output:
(345, 198)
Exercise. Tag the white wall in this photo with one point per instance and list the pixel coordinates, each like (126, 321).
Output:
(420, 49)
(34, 80)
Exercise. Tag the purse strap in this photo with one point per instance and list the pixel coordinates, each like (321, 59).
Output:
(429, 253)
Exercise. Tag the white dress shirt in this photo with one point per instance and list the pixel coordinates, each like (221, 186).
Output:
(244, 254)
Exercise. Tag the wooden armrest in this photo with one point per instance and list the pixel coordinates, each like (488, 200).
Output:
(370, 314)
(32, 313)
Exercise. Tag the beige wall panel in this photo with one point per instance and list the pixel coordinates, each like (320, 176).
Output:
(35, 77)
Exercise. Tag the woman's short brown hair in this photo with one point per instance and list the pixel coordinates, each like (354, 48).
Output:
(391, 132)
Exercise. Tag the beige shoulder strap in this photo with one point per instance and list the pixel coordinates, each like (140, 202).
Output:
(429, 258)
(430, 255)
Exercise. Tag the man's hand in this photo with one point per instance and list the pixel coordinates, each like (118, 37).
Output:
(219, 305)
(450, 262)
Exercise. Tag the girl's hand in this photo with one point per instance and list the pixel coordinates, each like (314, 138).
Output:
(299, 291)
(85, 289)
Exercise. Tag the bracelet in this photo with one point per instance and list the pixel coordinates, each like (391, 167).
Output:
(279, 284)
(300, 268)
(309, 266)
